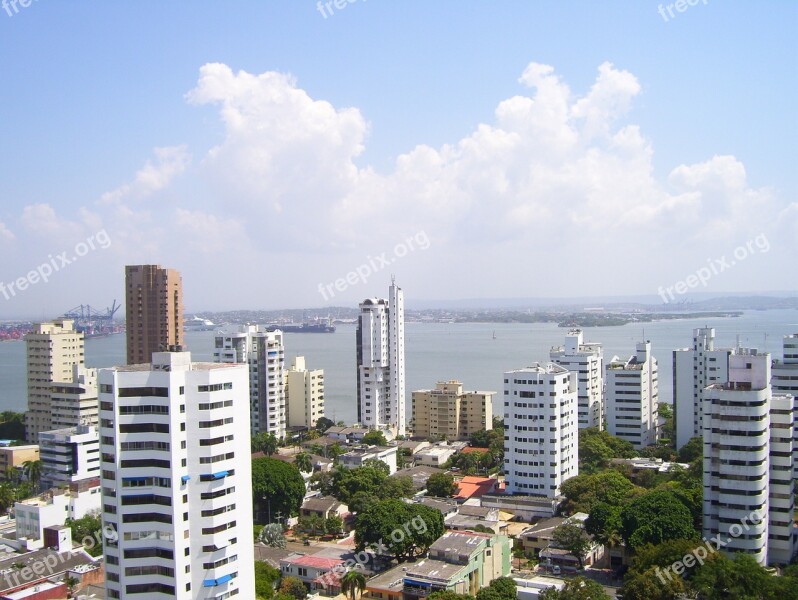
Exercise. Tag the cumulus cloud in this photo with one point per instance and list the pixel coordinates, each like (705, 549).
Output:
(155, 175)
(6, 234)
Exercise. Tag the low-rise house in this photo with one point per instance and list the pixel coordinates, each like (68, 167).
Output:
(446, 506)
(20, 574)
(420, 475)
(436, 456)
(475, 487)
(388, 585)
(461, 562)
(469, 518)
(539, 536)
(412, 447)
(324, 507)
(526, 508)
(360, 454)
(347, 435)
(311, 570)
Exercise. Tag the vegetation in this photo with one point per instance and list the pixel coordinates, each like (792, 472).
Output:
(264, 442)
(272, 535)
(572, 538)
(87, 528)
(597, 448)
(447, 595)
(405, 531)
(353, 583)
(656, 517)
(303, 462)
(441, 485)
(501, 588)
(583, 492)
(323, 424)
(293, 587)
(692, 450)
(375, 438)
(577, 588)
(12, 425)
(266, 577)
(357, 487)
(277, 489)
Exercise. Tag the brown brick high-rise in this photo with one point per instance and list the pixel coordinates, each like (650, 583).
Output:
(154, 308)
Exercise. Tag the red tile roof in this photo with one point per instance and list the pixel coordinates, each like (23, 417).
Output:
(317, 562)
(471, 487)
(471, 449)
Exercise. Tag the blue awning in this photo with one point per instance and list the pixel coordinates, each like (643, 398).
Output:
(134, 479)
(209, 583)
(418, 583)
(224, 579)
(220, 475)
(185, 478)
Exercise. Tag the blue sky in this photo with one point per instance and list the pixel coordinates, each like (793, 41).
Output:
(396, 119)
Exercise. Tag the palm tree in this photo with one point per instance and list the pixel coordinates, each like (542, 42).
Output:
(33, 470)
(11, 474)
(303, 462)
(353, 582)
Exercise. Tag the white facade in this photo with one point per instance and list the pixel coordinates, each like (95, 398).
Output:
(356, 457)
(748, 470)
(74, 402)
(53, 508)
(541, 429)
(264, 352)
(176, 476)
(632, 397)
(694, 369)
(69, 455)
(586, 361)
(381, 362)
(304, 394)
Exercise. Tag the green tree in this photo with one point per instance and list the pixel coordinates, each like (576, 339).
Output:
(376, 463)
(488, 593)
(505, 587)
(264, 442)
(577, 588)
(265, 578)
(584, 491)
(88, 527)
(656, 517)
(720, 578)
(347, 482)
(256, 529)
(334, 524)
(353, 583)
(303, 462)
(399, 486)
(375, 438)
(692, 450)
(596, 448)
(293, 587)
(33, 471)
(653, 585)
(12, 425)
(604, 524)
(323, 424)
(406, 530)
(360, 501)
(441, 485)
(277, 489)
(448, 595)
(574, 539)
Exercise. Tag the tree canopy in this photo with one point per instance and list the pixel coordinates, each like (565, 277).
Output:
(577, 588)
(574, 539)
(656, 517)
(441, 485)
(277, 489)
(402, 530)
(375, 438)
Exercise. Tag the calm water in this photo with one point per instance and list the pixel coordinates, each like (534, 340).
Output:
(438, 351)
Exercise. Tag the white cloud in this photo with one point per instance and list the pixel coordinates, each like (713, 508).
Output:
(169, 162)
(5, 233)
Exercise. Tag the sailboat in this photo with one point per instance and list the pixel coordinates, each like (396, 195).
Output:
(494, 334)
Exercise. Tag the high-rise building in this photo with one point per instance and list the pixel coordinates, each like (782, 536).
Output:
(694, 369)
(748, 452)
(154, 311)
(632, 397)
(264, 353)
(541, 448)
(585, 360)
(176, 479)
(75, 403)
(447, 412)
(52, 350)
(69, 455)
(381, 362)
(305, 394)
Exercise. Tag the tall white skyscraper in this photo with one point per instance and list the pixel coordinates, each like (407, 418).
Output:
(381, 362)
(264, 353)
(694, 369)
(632, 397)
(748, 462)
(541, 449)
(585, 360)
(176, 479)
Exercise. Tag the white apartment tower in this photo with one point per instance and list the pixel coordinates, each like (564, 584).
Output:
(584, 360)
(304, 394)
(748, 462)
(632, 397)
(264, 353)
(52, 349)
(541, 448)
(381, 362)
(176, 479)
(74, 403)
(694, 369)
(69, 455)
